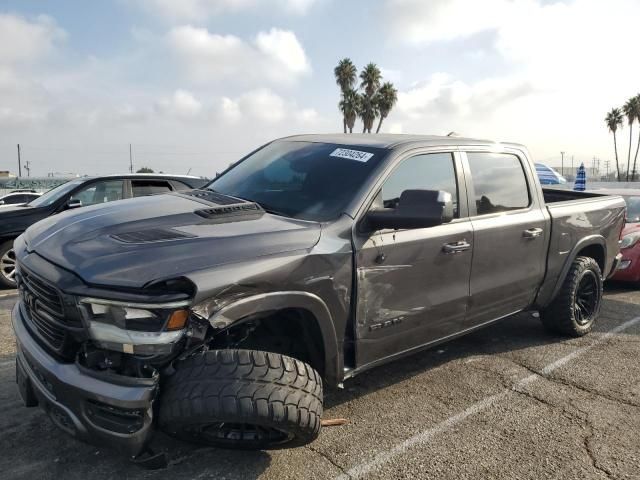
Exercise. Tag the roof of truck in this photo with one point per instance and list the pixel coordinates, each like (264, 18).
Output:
(392, 140)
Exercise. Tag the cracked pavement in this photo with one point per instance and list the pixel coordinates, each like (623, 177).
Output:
(578, 420)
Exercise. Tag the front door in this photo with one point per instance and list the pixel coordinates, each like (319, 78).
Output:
(411, 289)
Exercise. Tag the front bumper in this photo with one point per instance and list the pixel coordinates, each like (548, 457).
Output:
(89, 408)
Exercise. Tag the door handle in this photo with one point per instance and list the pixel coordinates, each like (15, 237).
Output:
(532, 233)
(456, 247)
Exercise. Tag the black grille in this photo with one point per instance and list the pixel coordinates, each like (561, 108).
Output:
(45, 312)
(47, 295)
(150, 235)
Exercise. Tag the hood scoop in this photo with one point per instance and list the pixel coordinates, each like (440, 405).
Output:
(211, 196)
(232, 213)
(151, 235)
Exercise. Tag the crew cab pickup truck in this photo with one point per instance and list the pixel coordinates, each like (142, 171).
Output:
(80, 192)
(217, 314)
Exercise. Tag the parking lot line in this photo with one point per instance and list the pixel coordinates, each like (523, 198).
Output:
(425, 436)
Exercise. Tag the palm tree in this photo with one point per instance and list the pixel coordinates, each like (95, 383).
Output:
(635, 158)
(370, 79)
(345, 74)
(350, 106)
(368, 111)
(614, 121)
(387, 98)
(630, 110)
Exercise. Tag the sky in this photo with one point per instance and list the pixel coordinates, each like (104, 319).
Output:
(193, 85)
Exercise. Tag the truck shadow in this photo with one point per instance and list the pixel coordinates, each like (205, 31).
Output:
(520, 332)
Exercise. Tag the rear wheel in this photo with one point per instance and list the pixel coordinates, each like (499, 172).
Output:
(577, 304)
(245, 399)
(7, 265)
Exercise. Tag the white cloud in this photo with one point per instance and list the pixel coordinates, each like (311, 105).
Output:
(181, 104)
(561, 67)
(25, 46)
(199, 10)
(442, 95)
(307, 115)
(24, 41)
(276, 55)
(261, 104)
(422, 22)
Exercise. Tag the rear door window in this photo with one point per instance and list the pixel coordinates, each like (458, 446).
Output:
(499, 182)
(140, 188)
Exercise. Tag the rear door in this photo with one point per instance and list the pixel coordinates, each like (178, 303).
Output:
(510, 234)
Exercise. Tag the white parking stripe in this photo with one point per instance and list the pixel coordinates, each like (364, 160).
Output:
(423, 437)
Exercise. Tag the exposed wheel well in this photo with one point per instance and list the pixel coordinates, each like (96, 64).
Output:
(291, 331)
(596, 252)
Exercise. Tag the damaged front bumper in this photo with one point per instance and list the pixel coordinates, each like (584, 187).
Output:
(117, 414)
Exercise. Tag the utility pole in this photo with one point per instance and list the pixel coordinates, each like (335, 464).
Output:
(19, 163)
(130, 160)
(562, 164)
(606, 167)
(572, 163)
(27, 167)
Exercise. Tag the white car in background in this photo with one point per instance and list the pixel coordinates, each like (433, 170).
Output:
(18, 197)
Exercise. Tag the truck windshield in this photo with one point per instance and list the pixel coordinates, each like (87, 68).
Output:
(305, 180)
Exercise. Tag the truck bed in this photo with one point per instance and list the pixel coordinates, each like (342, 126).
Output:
(555, 195)
(574, 217)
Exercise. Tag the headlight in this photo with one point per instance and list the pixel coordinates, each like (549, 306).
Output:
(629, 240)
(145, 329)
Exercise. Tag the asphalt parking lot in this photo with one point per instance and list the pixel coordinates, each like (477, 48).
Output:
(509, 401)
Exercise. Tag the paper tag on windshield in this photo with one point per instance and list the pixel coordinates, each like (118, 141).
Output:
(351, 154)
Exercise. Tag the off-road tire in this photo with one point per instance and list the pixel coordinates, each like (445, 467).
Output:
(5, 248)
(561, 316)
(243, 399)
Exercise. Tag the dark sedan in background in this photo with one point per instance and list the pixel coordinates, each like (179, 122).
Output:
(77, 193)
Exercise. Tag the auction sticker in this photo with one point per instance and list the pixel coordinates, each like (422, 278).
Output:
(351, 154)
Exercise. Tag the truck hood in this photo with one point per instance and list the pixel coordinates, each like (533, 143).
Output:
(131, 243)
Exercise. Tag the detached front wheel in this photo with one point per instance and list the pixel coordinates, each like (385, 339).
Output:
(577, 304)
(243, 399)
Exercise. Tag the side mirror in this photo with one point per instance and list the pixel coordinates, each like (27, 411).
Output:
(73, 203)
(416, 209)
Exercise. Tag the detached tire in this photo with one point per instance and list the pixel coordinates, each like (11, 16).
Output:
(577, 304)
(242, 399)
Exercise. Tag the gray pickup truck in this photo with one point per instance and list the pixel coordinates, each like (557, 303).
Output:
(217, 314)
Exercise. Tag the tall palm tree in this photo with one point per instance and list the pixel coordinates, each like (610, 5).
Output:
(387, 98)
(350, 106)
(370, 79)
(346, 74)
(614, 121)
(635, 158)
(368, 111)
(630, 109)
